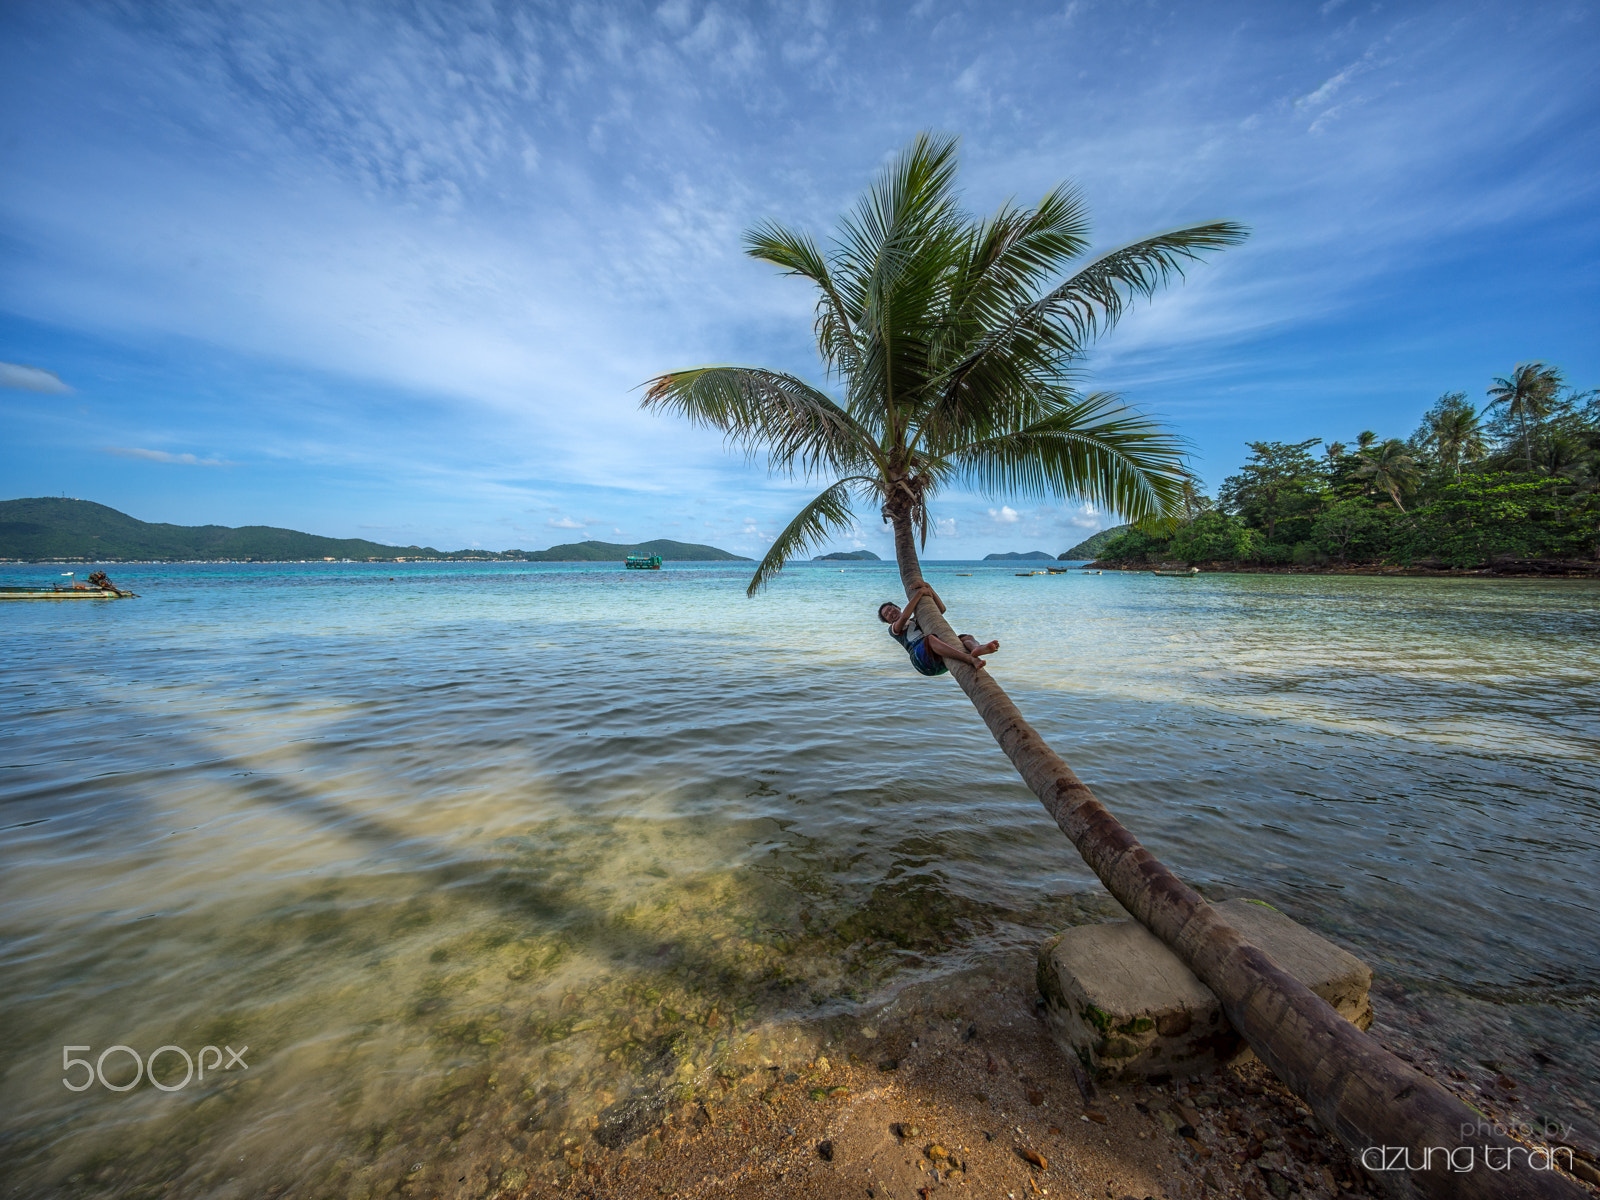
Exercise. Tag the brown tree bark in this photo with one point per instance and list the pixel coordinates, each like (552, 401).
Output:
(1359, 1091)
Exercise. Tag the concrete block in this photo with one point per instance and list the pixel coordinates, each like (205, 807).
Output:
(1124, 1006)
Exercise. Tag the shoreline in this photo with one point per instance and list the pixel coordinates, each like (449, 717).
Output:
(955, 1087)
(1555, 571)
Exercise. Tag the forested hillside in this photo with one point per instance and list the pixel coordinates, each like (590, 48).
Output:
(49, 527)
(1518, 480)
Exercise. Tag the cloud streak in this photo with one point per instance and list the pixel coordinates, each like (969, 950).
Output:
(436, 251)
(31, 379)
(164, 456)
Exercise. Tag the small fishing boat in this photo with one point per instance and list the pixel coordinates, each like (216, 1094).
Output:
(1189, 574)
(643, 562)
(97, 588)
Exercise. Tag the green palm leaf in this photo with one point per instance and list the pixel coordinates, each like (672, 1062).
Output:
(811, 525)
(1059, 325)
(1094, 449)
(800, 428)
(798, 255)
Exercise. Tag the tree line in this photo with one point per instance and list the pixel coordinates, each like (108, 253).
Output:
(1515, 479)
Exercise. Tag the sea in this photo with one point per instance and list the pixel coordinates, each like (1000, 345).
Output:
(313, 873)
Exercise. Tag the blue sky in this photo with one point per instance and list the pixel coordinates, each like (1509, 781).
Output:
(396, 270)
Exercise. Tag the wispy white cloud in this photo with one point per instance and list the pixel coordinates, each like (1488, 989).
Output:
(499, 219)
(164, 456)
(1332, 85)
(31, 379)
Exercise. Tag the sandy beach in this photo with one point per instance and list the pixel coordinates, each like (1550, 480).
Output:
(956, 1088)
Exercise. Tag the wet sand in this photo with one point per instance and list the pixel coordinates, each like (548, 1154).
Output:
(956, 1088)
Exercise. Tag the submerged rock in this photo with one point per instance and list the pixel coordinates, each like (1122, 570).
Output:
(626, 1121)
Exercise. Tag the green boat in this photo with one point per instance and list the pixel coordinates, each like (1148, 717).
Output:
(98, 588)
(643, 562)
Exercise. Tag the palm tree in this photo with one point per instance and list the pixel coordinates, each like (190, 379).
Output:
(1455, 435)
(1191, 501)
(955, 369)
(1529, 393)
(1391, 469)
(953, 347)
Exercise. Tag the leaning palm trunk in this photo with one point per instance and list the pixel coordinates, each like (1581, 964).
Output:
(957, 346)
(1358, 1090)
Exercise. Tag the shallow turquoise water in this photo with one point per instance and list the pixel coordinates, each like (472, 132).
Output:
(507, 831)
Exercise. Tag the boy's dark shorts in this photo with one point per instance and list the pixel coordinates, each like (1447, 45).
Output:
(924, 659)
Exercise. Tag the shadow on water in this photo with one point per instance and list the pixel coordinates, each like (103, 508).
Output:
(500, 981)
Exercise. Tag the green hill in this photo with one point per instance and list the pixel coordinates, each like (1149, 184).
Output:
(1090, 547)
(669, 551)
(848, 556)
(1013, 556)
(49, 527)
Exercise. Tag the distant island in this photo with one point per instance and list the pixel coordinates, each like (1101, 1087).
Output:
(848, 556)
(1091, 546)
(48, 528)
(1013, 556)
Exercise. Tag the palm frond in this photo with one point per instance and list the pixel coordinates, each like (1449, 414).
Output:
(1015, 251)
(798, 255)
(1091, 448)
(911, 196)
(1064, 320)
(1095, 297)
(799, 428)
(894, 250)
(829, 511)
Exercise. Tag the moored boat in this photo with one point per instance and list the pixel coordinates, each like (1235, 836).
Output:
(1189, 574)
(97, 588)
(643, 562)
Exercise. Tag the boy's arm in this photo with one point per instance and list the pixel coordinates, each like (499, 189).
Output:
(910, 608)
(934, 596)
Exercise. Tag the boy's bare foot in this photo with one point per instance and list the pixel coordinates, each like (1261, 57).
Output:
(972, 647)
(975, 661)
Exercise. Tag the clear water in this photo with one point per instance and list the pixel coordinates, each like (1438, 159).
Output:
(468, 856)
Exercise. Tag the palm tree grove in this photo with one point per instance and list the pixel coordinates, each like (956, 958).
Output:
(1511, 483)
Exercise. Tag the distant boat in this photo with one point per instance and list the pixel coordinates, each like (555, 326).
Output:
(98, 588)
(643, 562)
(963, 574)
(1189, 574)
